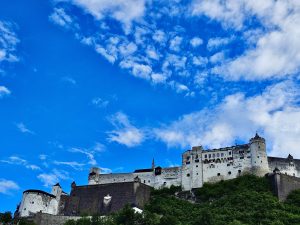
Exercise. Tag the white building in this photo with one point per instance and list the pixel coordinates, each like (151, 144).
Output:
(34, 201)
(200, 166)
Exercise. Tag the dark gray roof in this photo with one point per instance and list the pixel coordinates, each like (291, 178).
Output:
(39, 191)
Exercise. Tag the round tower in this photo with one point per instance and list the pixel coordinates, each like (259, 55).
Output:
(259, 158)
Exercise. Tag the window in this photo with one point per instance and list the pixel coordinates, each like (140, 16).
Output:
(187, 162)
(229, 172)
(257, 156)
(197, 173)
(218, 154)
(214, 155)
(144, 181)
(188, 175)
(239, 171)
(293, 174)
(196, 165)
(148, 181)
(209, 155)
(242, 157)
(229, 153)
(218, 174)
(205, 156)
(222, 154)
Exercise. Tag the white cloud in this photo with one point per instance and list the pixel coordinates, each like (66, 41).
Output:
(61, 18)
(275, 53)
(16, 160)
(274, 113)
(4, 91)
(200, 61)
(104, 170)
(43, 157)
(159, 36)
(175, 43)
(218, 57)
(215, 43)
(141, 70)
(196, 41)
(123, 11)
(158, 78)
(89, 154)
(7, 186)
(22, 128)
(73, 164)
(53, 177)
(125, 133)
(69, 80)
(8, 42)
(100, 103)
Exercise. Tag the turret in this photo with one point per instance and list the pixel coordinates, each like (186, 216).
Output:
(93, 175)
(259, 159)
(56, 190)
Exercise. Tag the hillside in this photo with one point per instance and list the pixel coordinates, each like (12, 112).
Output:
(245, 200)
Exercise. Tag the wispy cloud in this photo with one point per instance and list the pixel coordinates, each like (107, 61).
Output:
(100, 103)
(90, 153)
(4, 91)
(69, 80)
(53, 177)
(73, 164)
(8, 42)
(8, 186)
(16, 160)
(125, 133)
(61, 18)
(22, 128)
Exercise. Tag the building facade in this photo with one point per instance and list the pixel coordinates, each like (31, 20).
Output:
(104, 192)
(200, 166)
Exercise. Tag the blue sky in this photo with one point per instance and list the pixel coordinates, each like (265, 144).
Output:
(114, 84)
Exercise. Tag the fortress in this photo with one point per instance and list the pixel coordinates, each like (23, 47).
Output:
(200, 166)
(106, 193)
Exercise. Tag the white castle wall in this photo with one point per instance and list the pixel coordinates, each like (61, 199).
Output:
(168, 177)
(33, 202)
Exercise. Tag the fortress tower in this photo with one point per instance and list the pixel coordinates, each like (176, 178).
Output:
(259, 158)
(94, 175)
(191, 176)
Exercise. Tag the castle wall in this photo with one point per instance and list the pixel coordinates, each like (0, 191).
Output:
(146, 178)
(113, 178)
(92, 199)
(283, 185)
(286, 166)
(168, 177)
(48, 219)
(33, 202)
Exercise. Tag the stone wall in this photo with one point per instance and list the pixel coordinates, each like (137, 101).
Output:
(103, 199)
(48, 219)
(283, 184)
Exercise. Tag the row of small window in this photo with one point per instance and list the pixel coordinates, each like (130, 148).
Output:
(213, 155)
(145, 181)
(218, 174)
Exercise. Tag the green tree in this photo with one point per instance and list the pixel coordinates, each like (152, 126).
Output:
(6, 217)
